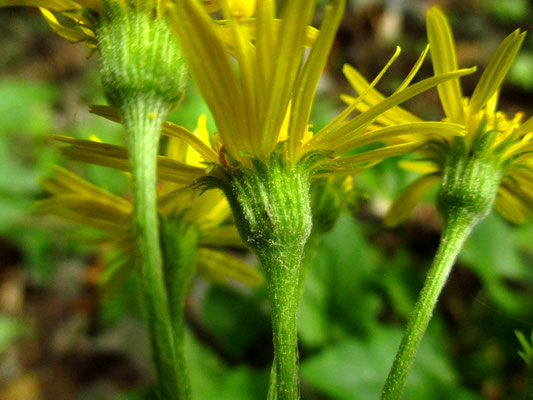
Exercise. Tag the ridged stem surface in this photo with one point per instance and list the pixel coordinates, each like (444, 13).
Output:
(178, 244)
(143, 138)
(271, 206)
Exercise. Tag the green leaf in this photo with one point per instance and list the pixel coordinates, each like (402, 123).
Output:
(491, 249)
(236, 319)
(212, 379)
(355, 369)
(493, 254)
(339, 278)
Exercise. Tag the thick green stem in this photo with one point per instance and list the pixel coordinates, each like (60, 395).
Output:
(271, 206)
(470, 180)
(178, 243)
(454, 234)
(143, 75)
(142, 120)
(282, 269)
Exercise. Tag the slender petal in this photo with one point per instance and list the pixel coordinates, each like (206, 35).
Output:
(496, 70)
(443, 56)
(409, 198)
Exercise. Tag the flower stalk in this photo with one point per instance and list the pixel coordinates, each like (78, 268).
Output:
(178, 244)
(271, 205)
(466, 195)
(453, 237)
(143, 151)
(143, 76)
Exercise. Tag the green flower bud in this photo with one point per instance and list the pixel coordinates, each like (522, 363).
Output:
(470, 179)
(140, 58)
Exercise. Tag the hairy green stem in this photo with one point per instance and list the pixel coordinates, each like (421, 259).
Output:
(308, 255)
(178, 244)
(143, 120)
(282, 268)
(470, 180)
(143, 75)
(271, 206)
(455, 232)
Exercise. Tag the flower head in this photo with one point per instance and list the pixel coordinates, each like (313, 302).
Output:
(261, 93)
(491, 136)
(259, 83)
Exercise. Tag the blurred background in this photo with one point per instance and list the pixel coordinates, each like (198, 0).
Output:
(62, 337)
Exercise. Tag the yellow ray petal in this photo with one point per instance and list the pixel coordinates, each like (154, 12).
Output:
(443, 56)
(522, 152)
(388, 118)
(409, 198)
(374, 156)
(225, 235)
(244, 54)
(168, 129)
(205, 210)
(526, 127)
(342, 134)
(510, 207)
(117, 157)
(422, 167)
(308, 77)
(405, 133)
(225, 35)
(90, 206)
(62, 181)
(73, 35)
(80, 219)
(267, 29)
(205, 54)
(496, 70)
(354, 103)
(220, 266)
(410, 76)
(54, 5)
(285, 65)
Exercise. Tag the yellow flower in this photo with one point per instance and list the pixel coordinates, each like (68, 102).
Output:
(268, 99)
(259, 86)
(76, 200)
(506, 141)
